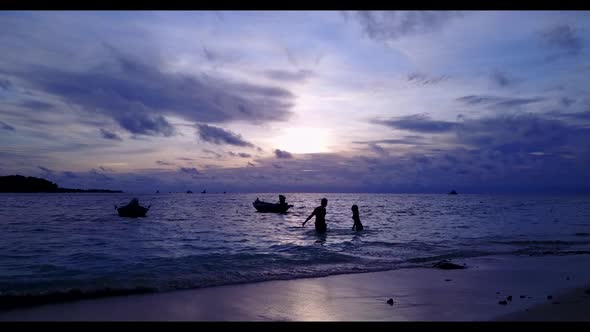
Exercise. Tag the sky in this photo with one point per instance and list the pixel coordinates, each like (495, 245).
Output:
(297, 101)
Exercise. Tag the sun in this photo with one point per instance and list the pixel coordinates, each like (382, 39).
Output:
(303, 140)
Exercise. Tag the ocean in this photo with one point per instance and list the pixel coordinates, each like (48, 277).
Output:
(77, 244)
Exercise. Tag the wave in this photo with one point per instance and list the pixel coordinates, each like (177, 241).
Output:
(454, 255)
(544, 242)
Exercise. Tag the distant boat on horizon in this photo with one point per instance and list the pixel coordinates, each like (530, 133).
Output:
(189, 192)
(204, 191)
(453, 192)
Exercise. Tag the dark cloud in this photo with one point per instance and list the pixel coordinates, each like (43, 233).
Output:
(36, 104)
(5, 84)
(497, 102)
(220, 136)
(577, 116)
(98, 175)
(209, 55)
(418, 123)
(70, 175)
(291, 57)
(423, 79)
(164, 163)
(217, 58)
(109, 135)
(144, 124)
(391, 25)
(377, 149)
(6, 126)
(562, 37)
(186, 158)
(240, 154)
(289, 76)
(105, 169)
(520, 133)
(251, 164)
(138, 95)
(406, 140)
(501, 79)
(282, 154)
(212, 152)
(565, 101)
(44, 169)
(189, 170)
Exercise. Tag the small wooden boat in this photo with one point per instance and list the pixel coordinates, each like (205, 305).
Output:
(261, 206)
(132, 210)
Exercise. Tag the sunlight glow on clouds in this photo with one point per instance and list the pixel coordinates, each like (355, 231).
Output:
(301, 101)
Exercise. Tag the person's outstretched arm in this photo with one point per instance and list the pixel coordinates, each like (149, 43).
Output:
(311, 215)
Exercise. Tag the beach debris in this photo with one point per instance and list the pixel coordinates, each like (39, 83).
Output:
(448, 279)
(509, 298)
(549, 297)
(502, 302)
(497, 292)
(522, 296)
(448, 265)
(390, 301)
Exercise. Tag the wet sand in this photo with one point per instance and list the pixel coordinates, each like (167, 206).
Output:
(419, 294)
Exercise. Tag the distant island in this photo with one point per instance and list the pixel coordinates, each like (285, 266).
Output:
(29, 184)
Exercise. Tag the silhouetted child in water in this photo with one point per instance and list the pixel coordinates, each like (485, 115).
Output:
(357, 220)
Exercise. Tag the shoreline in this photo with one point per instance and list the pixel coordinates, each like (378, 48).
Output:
(419, 294)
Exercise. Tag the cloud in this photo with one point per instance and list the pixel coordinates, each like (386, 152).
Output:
(98, 175)
(109, 135)
(565, 101)
(143, 124)
(500, 79)
(5, 84)
(164, 163)
(105, 169)
(377, 149)
(44, 169)
(6, 126)
(36, 104)
(418, 123)
(212, 152)
(70, 175)
(289, 76)
(520, 133)
(251, 164)
(189, 170)
(562, 37)
(220, 136)
(423, 79)
(282, 154)
(240, 154)
(138, 94)
(392, 25)
(407, 140)
(497, 102)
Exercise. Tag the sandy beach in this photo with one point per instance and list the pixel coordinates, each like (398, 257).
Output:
(419, 294)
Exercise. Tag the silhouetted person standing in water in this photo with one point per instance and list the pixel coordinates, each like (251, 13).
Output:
(357, 220)
(320, 217)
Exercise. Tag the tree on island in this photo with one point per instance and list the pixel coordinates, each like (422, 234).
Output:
(30, 184)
